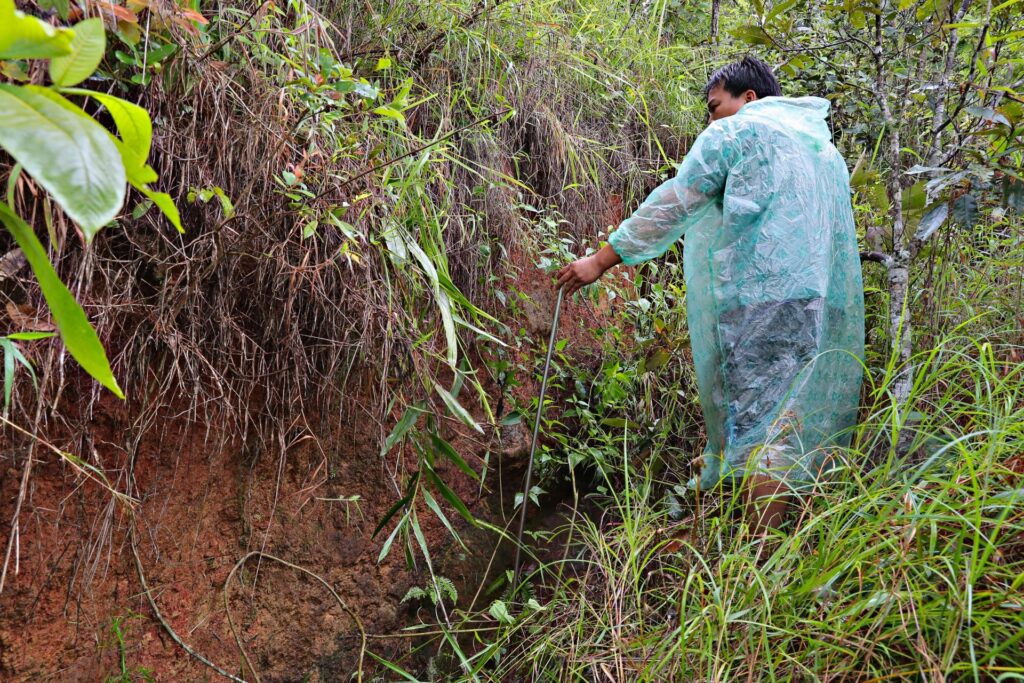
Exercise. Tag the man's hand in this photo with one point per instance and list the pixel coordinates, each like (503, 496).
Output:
(587, 269)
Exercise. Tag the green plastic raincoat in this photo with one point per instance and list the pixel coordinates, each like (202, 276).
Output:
(773, 286)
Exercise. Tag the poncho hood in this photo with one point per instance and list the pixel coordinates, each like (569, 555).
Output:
(805, 116)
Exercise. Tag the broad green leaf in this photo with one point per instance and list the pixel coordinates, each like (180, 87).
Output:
(70, 155)
(780, 9)
(78, 335)
(754, 35)
(456, 408)
(135, 128)
(932, 221)
(965, 211)
(654, 361)
(26, 37)
(87, 49)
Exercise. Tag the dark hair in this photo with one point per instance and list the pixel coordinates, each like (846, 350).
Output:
(748, 74)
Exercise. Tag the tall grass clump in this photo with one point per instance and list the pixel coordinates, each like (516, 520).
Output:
(898, 567)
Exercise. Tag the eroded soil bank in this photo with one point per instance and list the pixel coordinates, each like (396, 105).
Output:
(74, 607)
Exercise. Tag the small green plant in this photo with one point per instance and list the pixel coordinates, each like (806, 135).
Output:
(440, 587)
(120, 627)
(12, 354)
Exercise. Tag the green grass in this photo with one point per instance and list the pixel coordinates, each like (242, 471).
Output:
(898, 568)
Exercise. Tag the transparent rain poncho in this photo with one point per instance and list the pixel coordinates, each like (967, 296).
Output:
(774, 297)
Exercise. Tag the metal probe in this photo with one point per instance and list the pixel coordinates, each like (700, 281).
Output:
(533, 443)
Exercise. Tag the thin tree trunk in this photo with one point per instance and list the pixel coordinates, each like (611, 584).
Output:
(899, 266)
(716, 6)
(935, 150)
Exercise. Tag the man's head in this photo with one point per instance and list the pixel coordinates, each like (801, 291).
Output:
(738, 83)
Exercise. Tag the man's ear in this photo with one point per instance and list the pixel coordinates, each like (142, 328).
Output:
(749, 96)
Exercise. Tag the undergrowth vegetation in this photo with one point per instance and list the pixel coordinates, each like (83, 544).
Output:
(364, 189)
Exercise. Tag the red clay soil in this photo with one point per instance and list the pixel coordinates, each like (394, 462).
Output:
(204, 505)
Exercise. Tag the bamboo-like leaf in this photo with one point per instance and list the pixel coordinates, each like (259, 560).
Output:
(406, 499)
(87, 49)
(457, 410)
(414, 523)
(71, 155)
(449, 495)
(8, 348)
(444, 448)
(386, 548)
(78, 335)
(439, 513)
(407, 421)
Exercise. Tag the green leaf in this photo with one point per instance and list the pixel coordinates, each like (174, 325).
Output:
(407, 422)
(166, 205)
(78, 335)
(932, 221)
(62, 7)
(135, 128)
(965, 211)
(499, 611)
(439, 513)
(780, 8)
(654, 361)
(30, 336)
(8, 348)
(26, 37)
(1000, 7)
(448, 494)
(87, 49)
(390, 113)
(444, 448)
(444, 302)
(456, 408)
(70, 155)
(754, 35)
(389, 514)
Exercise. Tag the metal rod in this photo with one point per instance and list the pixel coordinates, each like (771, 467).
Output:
(533, 443)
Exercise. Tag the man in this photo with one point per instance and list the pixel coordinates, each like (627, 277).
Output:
(773, 285)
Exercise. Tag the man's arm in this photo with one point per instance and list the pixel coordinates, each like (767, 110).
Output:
(587, 269)
(666, 213)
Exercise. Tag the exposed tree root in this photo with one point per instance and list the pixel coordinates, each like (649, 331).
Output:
(345, 607)
(167, 627)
